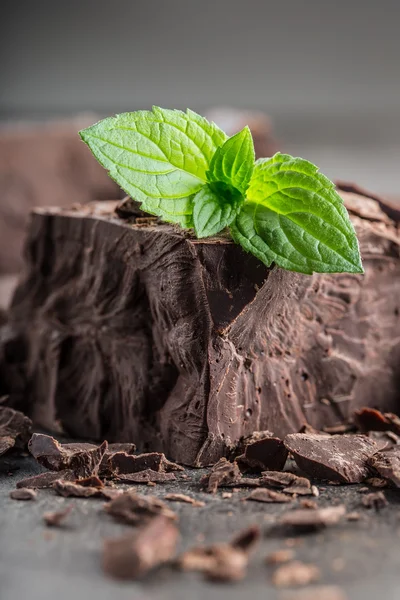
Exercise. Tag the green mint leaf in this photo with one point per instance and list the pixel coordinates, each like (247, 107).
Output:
(233, 162)
(295, 218)
(157, 156)
(215, 207)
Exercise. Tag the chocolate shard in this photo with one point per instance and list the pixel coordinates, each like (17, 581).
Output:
(122, 463)
(23, 494)
(225, 561)
(83, 459)
(262, 451)
(46, 480)
(200, 344)
(134, 509)
(387, 464)
(221, 474)
(305, 519)
(146, 476)
(57, 518)
(265, 495)
(184, 498)
(134, 555)
(370, 419)
(284, 480)
(69, 489)
(376, 500)
(92, 481)
(15, 429)
(341, 458)
(294, 574)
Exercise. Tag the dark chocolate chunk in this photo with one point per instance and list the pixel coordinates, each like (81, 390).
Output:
(134, 509)
(263, 451)
(70, 489)
(184, 498)
(225, 561)
(285, 480)
(57, 518)
(46, 480)
(341, 458)
(83, 459)
(146, 476)
(6, 443)
(387, 464)
(15, 429)
(232, 347)
(222, 473)
(92, 481)
(133, 555)
(265, 495)
(376, 500)
(303, 518)
(121, 463)
(294, 574)
(23, 494)
(370, 419)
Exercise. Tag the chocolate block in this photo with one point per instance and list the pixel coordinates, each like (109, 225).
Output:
(139, 332)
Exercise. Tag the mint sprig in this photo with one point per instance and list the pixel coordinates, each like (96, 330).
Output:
(186, 170)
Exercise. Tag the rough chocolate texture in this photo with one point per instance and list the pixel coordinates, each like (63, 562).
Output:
(140, 332)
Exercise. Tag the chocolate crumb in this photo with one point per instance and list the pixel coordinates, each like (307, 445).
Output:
(226, 495)
(309, 504)
(319, 592)
(134, 509)
(57, 518)
(280, 557)
(387, 464)
(184, 498)
(146, 476)
(15, 429)
(304, 518)
(222, 473)
(23, 494)
(265, 495)
(377, 482)
(376, 500)
(132, 556)
(353, 516)
(295, 573)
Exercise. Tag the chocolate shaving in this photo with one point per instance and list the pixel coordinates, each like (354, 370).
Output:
(134, 509)
(15, 429)
(319, 592)
(338, 458)
(57, 518)
(146, 476)
(262, 451)
(222, 473)
(23, 494)
(304, 518)
(184, 498)
(225, 561)
(46, 480)
(387, 464)
(376, 500)
(133, 555)
(265, 495)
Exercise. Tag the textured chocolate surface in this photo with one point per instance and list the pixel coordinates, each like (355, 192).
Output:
(140, 333)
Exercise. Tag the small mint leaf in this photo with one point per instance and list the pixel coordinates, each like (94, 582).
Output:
(295, 218)
(215, 207)
(157, 156)
(176, 210)
(233, 162)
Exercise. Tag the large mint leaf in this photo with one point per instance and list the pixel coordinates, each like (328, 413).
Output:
(215, 207)
(295, 218)
(233, 162)
(157, 156)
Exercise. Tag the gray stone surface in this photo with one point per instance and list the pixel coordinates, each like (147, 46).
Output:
(42, 563)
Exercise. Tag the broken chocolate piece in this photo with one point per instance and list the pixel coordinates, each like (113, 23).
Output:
(280, 557)
(370, 419)
(146, 476)
(263, 451)
(46, 480)
(319, 592)
(83, 459)
(92, 481)
(377, 482)
(184, 498)
(284, 480)
(376, 500)
(133, 555)
(265, 495)
(303, 518)
(222, 473)
(387, 464)
(294, 574)
(122, 463)
(57, 518)
(15, 429)
(71, 489)
(222, 562)
(338, 458)
(134, 509)
(23, 494)
(6, 443)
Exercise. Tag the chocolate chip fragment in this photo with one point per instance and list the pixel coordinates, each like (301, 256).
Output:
(46, 480)
(23, 494)
(184, 498)
(57, 518)
(295, 573)
(15, 429)
(146, 476)
(304, 518)
(222, 562)
(265, 495)
(387, 464)
(319, 592)
(222, 473)
(262, 451)
(338, 458)
(134, 509)
(376, 500)
(133, 555)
